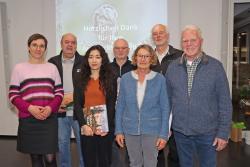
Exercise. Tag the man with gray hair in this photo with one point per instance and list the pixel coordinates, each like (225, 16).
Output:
(68, 63)
(200, 100)
(164, 51)
(120, 65)
(165, 54)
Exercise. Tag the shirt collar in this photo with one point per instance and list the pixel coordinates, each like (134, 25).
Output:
(148, 76)
(164, 53)
(202, 58)
(197, 60)
(72, 60)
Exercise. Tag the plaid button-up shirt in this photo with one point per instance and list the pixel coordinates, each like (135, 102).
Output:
(191, 71)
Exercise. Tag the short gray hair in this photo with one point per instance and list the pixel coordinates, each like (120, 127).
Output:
(69, 34)
(193, 28)
(161, 25)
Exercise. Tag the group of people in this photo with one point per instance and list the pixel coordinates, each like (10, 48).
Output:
(163, 107)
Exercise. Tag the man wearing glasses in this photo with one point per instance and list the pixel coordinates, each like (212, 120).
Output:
(165, 54)
(200, 99)
(120, 65)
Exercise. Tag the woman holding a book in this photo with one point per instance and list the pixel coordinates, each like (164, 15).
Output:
(142, 110)
(36, 92)
(94, 106)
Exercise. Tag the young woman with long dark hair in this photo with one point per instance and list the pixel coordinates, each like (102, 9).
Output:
(97, 87)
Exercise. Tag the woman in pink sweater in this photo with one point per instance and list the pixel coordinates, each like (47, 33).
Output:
(36, 92)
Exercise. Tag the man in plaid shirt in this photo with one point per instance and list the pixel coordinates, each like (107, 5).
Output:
(200, 99)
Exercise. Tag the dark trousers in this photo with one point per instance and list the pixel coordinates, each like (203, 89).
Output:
(97, 150)
(172, 157)
(161, 159)
(119, 156)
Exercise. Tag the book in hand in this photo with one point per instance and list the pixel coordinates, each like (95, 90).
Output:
(96, 117)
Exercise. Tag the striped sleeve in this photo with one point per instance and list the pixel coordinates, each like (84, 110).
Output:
(58, 91)
(14, 92)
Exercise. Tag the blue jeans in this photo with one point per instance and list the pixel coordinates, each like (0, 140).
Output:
(200, 146)
(65, 124)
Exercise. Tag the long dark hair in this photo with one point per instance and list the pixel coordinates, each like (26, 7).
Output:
(105, 74)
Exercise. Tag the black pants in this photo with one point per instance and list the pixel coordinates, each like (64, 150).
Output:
(97, 150)
(119, 156)
(161, 159)
(173, 159)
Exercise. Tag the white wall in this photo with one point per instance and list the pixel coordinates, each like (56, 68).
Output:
(5, 114)
(29, 16)
(207, 15)
(25, 18)
(174, 22)
(211, 16)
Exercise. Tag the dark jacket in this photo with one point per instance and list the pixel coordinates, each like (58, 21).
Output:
(57, 61)
(126, 67)
(110, 99)
(172, 54)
